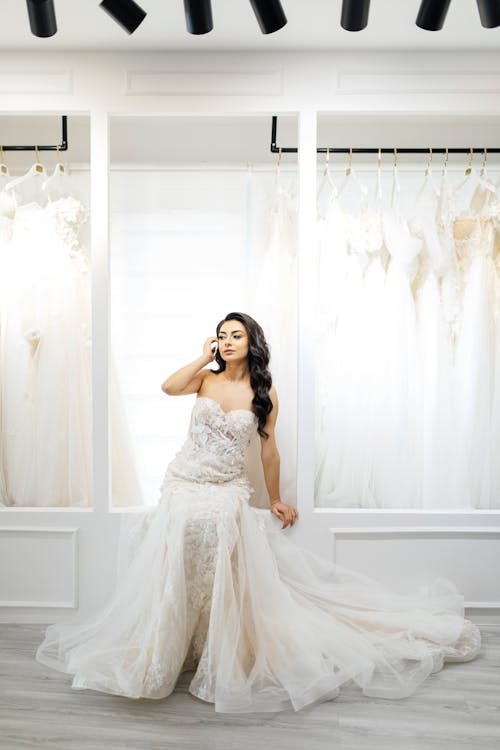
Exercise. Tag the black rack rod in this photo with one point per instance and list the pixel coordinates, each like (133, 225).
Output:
(63, 146)
(275, 149)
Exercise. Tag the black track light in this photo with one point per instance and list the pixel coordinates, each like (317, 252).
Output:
(198, 16)
(354, 14)
(42, 17)
(269, 14)
(125, 12)
(432, 14)
(489, 13)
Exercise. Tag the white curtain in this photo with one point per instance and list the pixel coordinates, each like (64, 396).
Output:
(273, 303)
(188, 247)
(407, 369)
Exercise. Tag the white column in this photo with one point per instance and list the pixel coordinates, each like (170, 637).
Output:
(306, 314)
(99, 200)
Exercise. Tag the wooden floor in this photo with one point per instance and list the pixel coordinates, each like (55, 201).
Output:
(457, 708)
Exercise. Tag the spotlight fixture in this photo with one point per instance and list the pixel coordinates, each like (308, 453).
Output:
(354, 14)
(125, 12)
(432, 14)
(198, 16)
(489, 13)
(270, 15)
(42, 17)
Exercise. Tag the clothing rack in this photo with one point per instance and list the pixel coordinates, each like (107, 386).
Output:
(61, 147)
(275, 149)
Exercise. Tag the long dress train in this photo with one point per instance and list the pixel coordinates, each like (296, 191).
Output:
(214, 585)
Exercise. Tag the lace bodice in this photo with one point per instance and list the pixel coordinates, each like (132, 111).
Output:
(474, 235)
(214, 450)
(68, 216)
(59, 221)
(364, 234)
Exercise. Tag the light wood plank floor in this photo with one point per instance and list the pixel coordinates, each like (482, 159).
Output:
(457, 708)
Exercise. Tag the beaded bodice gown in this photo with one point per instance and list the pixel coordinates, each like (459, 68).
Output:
(214, 586)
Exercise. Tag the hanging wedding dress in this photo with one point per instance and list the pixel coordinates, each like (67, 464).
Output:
(407, 373)
(476, 240)
(45, 381)
(213, 584)
(348, 241)
(46, 371)
(6, 218)
(396, 459)
(331, 270)
(435, 426)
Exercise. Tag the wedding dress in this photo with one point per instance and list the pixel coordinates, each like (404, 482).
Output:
(396, 459)
(435, 426)
(6, 214)
(476, 239)
(213, 585)
(348, 243)
(407, 349)
(44, 379)
(46, 363)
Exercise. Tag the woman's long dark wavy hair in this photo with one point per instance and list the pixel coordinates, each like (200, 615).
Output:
(258, 364)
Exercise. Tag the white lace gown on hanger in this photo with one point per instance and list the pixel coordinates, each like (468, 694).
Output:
(214, 585)
(397, 458)
(476, 377)
(435, 424)
(6, 219)
(46, 365)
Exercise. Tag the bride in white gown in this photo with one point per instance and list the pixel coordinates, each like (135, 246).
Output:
(214, 585)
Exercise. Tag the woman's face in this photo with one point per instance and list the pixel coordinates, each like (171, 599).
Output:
(233, 341)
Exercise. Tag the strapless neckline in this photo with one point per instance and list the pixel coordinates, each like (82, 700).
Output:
(231, 411)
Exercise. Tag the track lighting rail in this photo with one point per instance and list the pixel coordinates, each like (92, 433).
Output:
(63, 146)
(275, 149)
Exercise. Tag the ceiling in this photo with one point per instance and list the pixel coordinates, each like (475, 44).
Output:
(312, 25)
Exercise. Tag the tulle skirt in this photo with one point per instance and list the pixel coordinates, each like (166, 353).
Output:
(213, 585)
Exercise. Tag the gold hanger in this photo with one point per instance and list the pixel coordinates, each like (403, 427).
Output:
(327, 160)
(483, 165)
(39, 165)
(3, 165)
(445, 163)
(469, 168)
(61, 166)
(429, 163)
(379, 157)
(348, 170)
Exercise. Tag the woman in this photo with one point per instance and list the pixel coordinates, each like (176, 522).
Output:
(213, 585)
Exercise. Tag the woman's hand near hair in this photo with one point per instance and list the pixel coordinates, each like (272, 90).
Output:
(209, 349)
(190, 377)
(286, 513)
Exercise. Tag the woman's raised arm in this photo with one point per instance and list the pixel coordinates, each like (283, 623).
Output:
(190, 377)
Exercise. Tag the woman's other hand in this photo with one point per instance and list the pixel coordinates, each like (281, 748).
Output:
(285, 513)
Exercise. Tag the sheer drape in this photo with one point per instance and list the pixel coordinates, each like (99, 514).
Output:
(273, 303)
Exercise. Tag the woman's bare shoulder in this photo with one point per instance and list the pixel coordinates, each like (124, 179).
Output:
(206, 376)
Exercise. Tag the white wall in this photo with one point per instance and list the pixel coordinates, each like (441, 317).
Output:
(455, 94)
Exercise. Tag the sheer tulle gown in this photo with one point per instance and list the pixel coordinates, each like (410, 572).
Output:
(214, 585)
(477, 241)
(46, 363)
